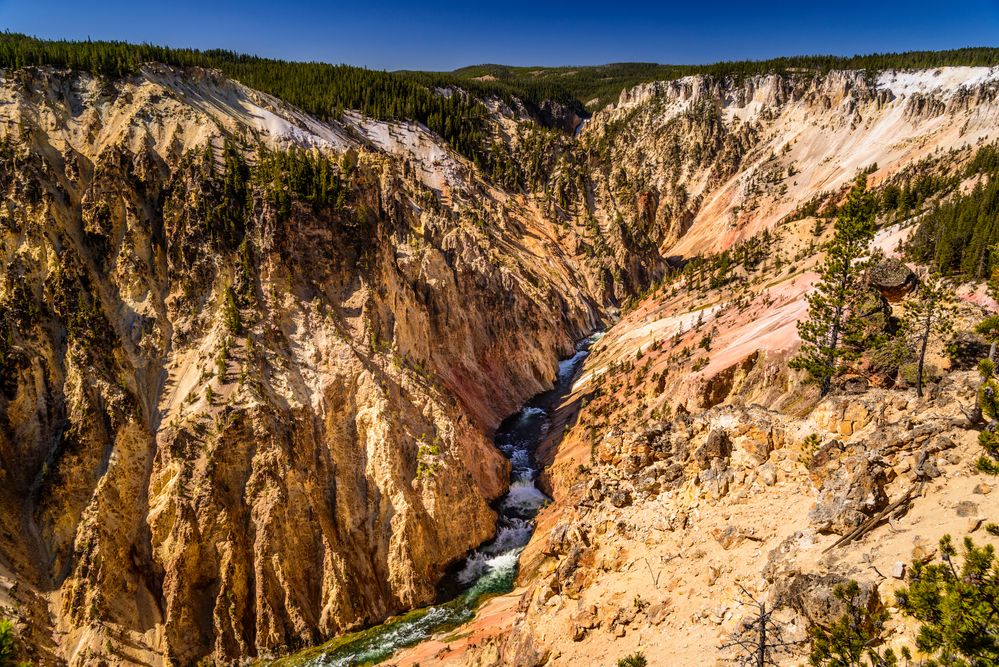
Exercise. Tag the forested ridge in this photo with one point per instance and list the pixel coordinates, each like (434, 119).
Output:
(325, 90)
(449, 103)
(960, 236)
(599, 85)
(320, 89)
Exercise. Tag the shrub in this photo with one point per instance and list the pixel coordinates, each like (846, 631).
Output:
(634, 660)
(8, 646)
(809, 446)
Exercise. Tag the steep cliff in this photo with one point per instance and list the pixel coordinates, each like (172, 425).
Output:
(251, 360)
(700, 164)
(251, 363)
(690, 468)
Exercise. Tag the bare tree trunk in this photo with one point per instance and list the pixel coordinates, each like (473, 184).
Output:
(922, 354)
(834, 336)
(761, 648)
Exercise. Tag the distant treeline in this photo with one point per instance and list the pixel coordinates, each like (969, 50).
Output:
(320, 89)
(325, 90)
(599, 85)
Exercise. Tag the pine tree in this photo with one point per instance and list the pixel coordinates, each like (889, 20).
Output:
(230, 313)
(988, 405)
(987, 397)
(633, 660)
(930, 314)
(833, 335)
(854, 637)
(957, 606)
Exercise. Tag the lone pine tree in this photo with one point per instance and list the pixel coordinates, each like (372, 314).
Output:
(759, 641)
(833, 334)
(930, 314)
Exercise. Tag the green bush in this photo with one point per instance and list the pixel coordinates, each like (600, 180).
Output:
(8, 646)
(634, 660)
(854, 637)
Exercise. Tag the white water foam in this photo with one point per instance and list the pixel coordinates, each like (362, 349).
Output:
(481, 564)
(516, 533)
(567, 367)
(492, 566)
(524, 497)
(402, 635)
(529, 413)
(521, 459)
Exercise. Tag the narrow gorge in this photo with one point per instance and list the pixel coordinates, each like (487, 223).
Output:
(491, 568)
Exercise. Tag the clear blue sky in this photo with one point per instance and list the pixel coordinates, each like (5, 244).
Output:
(423, 35)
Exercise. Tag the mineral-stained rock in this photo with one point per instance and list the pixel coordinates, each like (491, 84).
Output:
(717, 446)
(257, 428)
(825, 461)
(522, 649)
(847, 498)
(893, 279)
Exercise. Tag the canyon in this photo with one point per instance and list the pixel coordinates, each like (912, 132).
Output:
(242, 417)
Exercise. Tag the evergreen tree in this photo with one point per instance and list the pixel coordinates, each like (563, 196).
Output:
(929, 314)
(987, 397)
(633, 660)
(959, 236)
(957, 606)
(230, 313)
(852, 641)
(989, 329)
(988, 405)
(833, 334)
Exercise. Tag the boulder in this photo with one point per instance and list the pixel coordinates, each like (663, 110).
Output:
(849, 497)
(966, 509)
(731, 536)
(893, 279)
(715, 479)
(824, 461)
(757, 438)
(717, 446)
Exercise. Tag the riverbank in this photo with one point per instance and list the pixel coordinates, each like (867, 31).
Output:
(489, 570)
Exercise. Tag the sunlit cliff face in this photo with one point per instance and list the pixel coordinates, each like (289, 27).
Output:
(237, 422)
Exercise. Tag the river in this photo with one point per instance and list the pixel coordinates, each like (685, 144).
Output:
(491, 568)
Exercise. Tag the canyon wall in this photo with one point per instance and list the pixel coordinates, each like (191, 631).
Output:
(691, 470)
(252, 360)
(235, 420)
